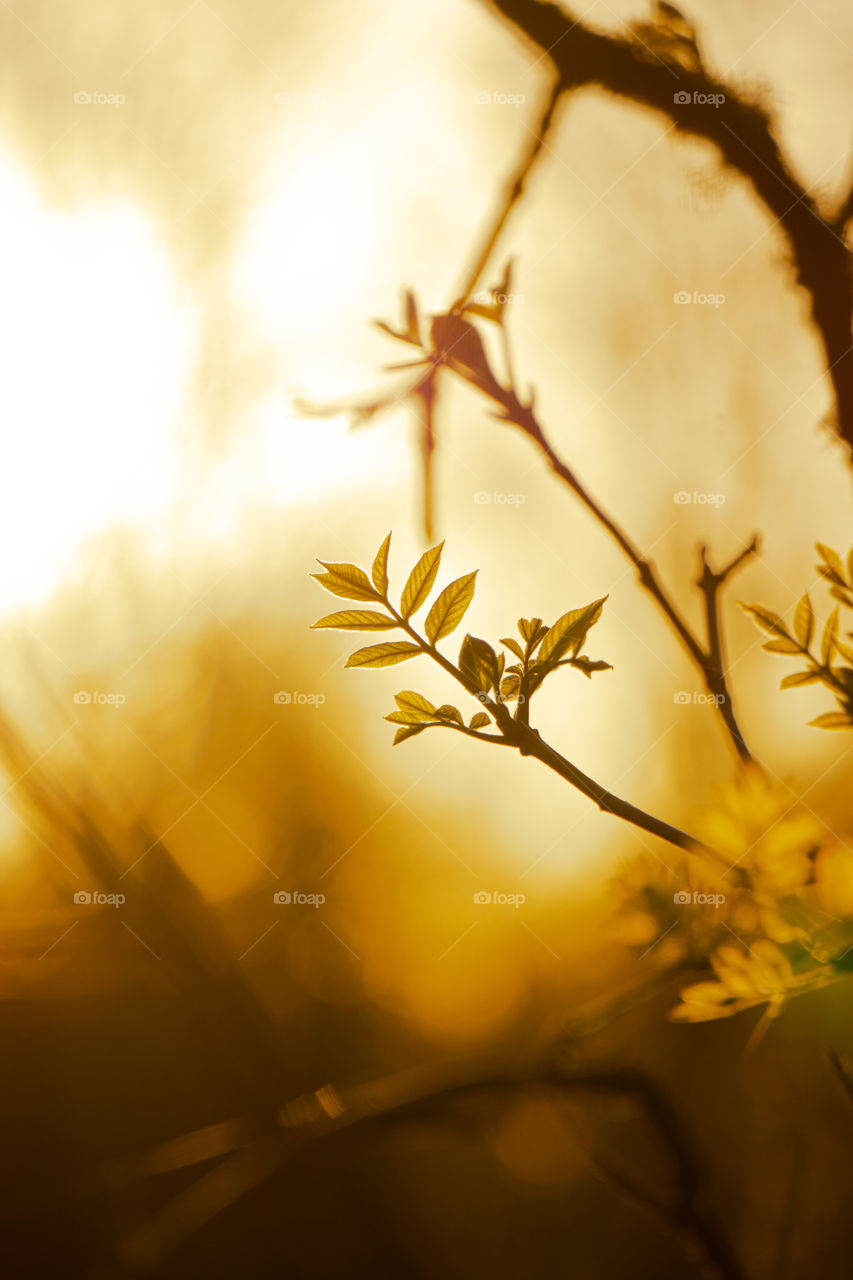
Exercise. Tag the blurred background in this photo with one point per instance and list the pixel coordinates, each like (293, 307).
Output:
(202, 207)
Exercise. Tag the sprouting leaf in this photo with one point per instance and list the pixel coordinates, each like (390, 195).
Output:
(586, 665)
(413, 328)
(383, 655)
(408, 731)
(528, 628)
(514, 647)
(479, 663)
(843, 595)
(446, 712)
(832, 569)
(479, 721)
(570, 631)
(415, 704)
(449, 609)
(510, 687)
(781, 644)
(379, 573)
(768, 621)
(413, 708)
(830, 636)
(833, 720)
(355, 620)
(804, 622)
(800, 678)
(420, 580)
(347, 581)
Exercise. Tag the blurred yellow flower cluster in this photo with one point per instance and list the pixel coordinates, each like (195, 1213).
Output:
(765, 901)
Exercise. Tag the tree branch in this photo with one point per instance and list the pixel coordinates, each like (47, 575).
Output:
(742, 132)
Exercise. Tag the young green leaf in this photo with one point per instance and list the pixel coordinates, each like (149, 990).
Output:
(586, 665)
(347, 581)
(408, 731)
(830, 636)
(832, 569)
(799, 678)
(420, 580)
(383, 655)
(415, 704)
(355, 620)
(768, 621)
(514, 647)
(569, 632)
(478, 662)
(528, 627)
(379, 572)
(479, 721)
(449, 609)
(833, 720)
(781, 644)
(510, 688)
(804, 622)
(446, 712)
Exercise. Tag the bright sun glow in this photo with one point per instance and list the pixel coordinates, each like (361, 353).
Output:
(97, 351)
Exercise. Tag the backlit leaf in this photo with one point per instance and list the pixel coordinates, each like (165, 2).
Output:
(383, 655)
(479, 663)
(833, 569)
(833, 720)
(447, 712)
(479, 721)
(528, 627)
(514, 647)
(379, 572)
(570, 631)
(355, 620)
(767, 620)
(408, 731)
(420, 580)
(587, 666)
(415, 703)
(347, 581)
(804, 622)
(830, 634)
(781, 644)
(800, 678)
(449, 609)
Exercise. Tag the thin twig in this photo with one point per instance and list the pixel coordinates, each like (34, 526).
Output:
(529, 743)
(510, 196)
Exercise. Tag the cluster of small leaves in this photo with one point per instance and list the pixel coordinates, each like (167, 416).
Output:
(832, 664)
(764, 902)
(483, 671)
